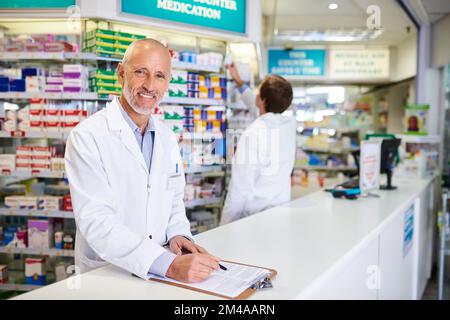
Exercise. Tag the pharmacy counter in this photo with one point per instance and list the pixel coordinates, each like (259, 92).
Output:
(370, 248)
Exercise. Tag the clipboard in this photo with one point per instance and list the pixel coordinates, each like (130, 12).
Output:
(244, 295)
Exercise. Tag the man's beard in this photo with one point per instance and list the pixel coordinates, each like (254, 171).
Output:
(130, 98)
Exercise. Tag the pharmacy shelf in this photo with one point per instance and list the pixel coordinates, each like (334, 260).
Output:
(330, 150)
(52, 252)
(419, 139)
(202, 202)
(193, 101)
(204, 169)
(64, 56)
(36, 213)
(6, 56)
(194, 67)
(33, 174)
(18, 287)
(325, 168)
(49, 95)
(37, 135)
(94, 96)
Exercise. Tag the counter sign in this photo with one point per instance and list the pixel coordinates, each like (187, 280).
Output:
(228, 15)
(297, 62)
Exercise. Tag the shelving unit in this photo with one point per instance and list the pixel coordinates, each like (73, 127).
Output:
(36, 213)
(51, 252)
(18, 287)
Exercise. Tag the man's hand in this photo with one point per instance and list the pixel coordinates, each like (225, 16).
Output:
(179, 243)
(235, 74)
(192, 268)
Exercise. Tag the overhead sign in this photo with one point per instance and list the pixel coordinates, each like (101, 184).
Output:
(297, 62)
(227, 15)
(359, 64)
(33, 4)
(369, 165)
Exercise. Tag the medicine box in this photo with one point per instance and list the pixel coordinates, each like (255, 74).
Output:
(39, 234)
(35, 271)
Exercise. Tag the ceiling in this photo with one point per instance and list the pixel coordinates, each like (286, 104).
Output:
(436, 9)
(351, 15)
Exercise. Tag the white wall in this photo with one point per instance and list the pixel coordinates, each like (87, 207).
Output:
(440, 48)
(404, 59)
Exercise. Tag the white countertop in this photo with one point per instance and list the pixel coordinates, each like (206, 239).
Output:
(302, 240)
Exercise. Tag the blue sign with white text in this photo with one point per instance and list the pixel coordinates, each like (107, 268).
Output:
(297, 62)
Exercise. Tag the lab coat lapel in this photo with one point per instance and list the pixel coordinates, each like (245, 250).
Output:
(117, 123)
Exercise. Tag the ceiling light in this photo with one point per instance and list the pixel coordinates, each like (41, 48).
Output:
(332, 6)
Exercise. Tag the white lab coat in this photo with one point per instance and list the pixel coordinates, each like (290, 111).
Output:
(262, 166)
(118, 205)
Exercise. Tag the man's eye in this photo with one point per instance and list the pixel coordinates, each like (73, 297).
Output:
(161, 76)
(139, 72)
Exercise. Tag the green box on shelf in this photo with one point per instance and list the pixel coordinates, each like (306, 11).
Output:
(99, 43)
(416, 119)
(123, 36)
(101, 33)
(103, 82)
(103, 74)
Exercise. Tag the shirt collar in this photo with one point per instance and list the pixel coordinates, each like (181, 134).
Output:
(130, 122)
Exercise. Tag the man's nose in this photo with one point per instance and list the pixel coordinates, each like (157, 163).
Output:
(149, 83)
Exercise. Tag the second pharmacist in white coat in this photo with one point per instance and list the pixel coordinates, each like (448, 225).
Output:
(127, 181)
(265, 154)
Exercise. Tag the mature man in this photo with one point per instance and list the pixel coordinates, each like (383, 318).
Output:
(127, 181)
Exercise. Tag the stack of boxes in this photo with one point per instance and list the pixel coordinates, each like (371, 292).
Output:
(212, 87)
(75, 78)
(108, 43)
(104, 82)
(40, 203)
(38, 43)
(174, 117)
(38, 118)
(178, 86)
(33, 158)
(71, 78)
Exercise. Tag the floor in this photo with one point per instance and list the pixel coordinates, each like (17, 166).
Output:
(431, 291)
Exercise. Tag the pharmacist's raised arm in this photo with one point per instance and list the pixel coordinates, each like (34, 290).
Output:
(248, 97)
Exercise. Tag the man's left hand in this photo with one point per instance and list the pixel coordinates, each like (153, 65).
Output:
(179, 243)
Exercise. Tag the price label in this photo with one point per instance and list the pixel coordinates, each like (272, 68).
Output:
(17, 134)
(9, 250)
(58, 253)
(35, 173)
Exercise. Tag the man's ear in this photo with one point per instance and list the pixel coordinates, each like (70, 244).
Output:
(120, 73)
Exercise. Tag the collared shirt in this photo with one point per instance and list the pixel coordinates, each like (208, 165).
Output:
(146, 142)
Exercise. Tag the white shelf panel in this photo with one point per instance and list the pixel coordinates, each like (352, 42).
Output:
(419, 139)
(50, 95)
(193, 101)
(202, 169)
(52, 252)
(194, 67)
(325, 168)
(36, 213)
(203, 202)
(38, 135)
(32, 56)
(18, 287)
(330, 150)
(33, 174)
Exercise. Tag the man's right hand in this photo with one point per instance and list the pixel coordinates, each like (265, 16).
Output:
(194, 267)
(235, 74)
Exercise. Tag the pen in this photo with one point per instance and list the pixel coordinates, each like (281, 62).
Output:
(222, 267)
